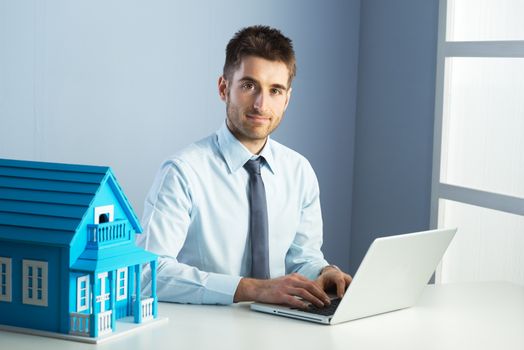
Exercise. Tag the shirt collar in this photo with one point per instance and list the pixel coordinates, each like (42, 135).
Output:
(236, 154)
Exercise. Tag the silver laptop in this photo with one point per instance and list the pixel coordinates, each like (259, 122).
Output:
(392, 276)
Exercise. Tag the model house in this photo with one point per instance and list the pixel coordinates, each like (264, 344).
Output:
(68, 260)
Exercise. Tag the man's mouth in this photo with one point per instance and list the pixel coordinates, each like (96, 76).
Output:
(257, 118)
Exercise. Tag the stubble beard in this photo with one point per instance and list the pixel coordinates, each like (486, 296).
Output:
(235, 118)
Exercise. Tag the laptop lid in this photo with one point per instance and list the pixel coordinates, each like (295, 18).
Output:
(392, 275)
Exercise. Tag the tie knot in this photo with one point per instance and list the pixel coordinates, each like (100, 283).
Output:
(253, 166)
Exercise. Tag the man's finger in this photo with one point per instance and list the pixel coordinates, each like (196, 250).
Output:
(315, 290)
(304, 294)
(348, 279)
(294, 302)
(341, 287)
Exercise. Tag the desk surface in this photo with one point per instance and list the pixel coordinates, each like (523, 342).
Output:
(454, 316)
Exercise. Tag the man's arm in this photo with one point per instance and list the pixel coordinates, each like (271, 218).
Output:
(305, 255)
(166, 219)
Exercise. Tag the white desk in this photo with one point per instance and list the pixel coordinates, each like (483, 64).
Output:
(459, 316)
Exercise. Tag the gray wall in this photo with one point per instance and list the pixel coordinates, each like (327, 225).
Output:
(393, 147)
(126, 83)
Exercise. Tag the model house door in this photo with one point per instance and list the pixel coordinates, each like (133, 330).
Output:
(104, 296)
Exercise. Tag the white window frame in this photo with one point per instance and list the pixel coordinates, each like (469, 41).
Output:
(30, 286)
(439, 190)
(121, 291)
(79, 297)
(104, 209)
(5, 279)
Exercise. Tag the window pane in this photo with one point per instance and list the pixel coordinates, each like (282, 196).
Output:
(488, 245)
(483, 124)
(473, 20)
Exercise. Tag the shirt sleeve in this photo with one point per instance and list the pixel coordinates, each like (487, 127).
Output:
(166, 219)
(304, 255)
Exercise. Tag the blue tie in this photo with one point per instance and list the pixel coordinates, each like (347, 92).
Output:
(258, 225)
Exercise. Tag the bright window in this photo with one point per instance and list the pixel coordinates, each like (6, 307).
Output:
(121, 284)
(82, 294)
(5, 279)
(485, 20)
(34, 282)
(489, 238)
(484, 122)
(104, 214)
(478, 159)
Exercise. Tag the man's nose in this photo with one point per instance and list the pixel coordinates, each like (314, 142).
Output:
(260, 104)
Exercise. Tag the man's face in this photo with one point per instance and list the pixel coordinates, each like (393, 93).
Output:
(256, 96)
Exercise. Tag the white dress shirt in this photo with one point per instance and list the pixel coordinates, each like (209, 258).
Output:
(196, 218)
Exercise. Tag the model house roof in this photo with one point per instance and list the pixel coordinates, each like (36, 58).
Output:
(46, 202)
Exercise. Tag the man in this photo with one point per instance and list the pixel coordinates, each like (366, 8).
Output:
(236, 216)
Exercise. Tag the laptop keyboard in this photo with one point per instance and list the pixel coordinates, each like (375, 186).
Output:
(324, 311)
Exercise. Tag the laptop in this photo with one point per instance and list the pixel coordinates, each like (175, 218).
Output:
(392, 276)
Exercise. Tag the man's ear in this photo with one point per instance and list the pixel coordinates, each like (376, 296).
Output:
(288, 97)
(222, 88)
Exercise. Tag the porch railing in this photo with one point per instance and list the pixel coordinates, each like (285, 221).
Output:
(146, 307)
(107, 233)
(104, 322)
(79, 324)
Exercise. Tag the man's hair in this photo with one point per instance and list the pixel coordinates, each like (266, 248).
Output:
(260, 41)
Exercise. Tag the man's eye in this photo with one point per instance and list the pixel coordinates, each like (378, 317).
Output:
(248, 86)
(276, 91)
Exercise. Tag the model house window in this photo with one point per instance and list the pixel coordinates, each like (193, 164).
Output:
(478, 154)
(5, 279)
(121, 284)
(34, 282)
(82, 293)
(104, 214)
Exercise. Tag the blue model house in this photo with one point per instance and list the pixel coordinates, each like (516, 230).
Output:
(68, 260)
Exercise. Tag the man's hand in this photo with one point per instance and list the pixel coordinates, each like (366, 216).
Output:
(282, 290)
(332, 278)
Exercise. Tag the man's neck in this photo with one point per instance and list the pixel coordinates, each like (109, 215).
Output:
(255, 147)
